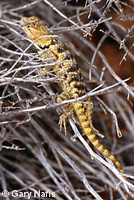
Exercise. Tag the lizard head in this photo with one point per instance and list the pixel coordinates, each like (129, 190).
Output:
(36, 31)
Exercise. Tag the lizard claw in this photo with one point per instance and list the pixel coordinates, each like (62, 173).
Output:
(62, 121)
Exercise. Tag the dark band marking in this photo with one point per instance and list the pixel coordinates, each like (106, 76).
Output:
(71, 79)
(43, 47)
(73, 69)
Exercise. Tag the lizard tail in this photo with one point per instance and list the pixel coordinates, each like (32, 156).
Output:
(92, 137)
(81, 112)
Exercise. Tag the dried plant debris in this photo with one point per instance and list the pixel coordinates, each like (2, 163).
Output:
(37, 159)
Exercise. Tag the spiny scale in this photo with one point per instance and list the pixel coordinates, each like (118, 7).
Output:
(71, 80)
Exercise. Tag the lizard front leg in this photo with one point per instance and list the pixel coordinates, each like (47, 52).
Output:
(69, 112)
(47, 56)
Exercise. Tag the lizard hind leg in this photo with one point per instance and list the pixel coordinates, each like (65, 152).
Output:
(69, 112)
(89, 113)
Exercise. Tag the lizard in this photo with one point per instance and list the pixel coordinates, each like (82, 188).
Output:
(71, 80)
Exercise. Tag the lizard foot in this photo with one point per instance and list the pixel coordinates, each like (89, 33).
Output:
(62, 120)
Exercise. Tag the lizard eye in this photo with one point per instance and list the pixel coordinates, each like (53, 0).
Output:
(28, 26)
(44, 46)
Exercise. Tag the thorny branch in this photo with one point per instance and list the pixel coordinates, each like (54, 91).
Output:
(39, 155)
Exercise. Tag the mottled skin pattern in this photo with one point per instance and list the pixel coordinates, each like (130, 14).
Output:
(70, 77)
